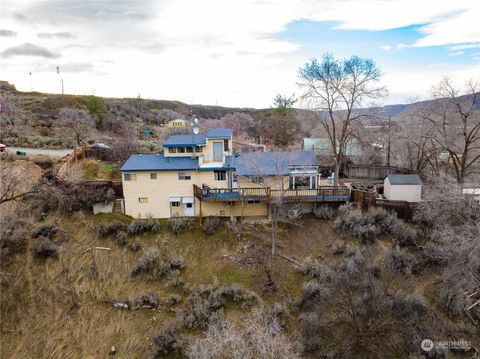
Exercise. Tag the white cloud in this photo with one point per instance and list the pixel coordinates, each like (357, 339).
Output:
(211, 51)
(456, 53)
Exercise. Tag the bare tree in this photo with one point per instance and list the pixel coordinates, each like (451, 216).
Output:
(11, 112)
(78, 121)
(336, 89)
(456, 119)
(15, 182)
(260, 335)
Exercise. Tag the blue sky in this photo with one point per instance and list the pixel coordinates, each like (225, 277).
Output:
(232, 53)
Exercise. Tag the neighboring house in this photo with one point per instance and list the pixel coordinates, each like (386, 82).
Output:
(198, 175)
(403, 188)
(178, 122)
(324, 146)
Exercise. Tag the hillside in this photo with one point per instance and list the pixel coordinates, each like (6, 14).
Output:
(356, 284)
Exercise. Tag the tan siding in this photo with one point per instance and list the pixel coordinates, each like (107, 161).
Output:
(160, 190)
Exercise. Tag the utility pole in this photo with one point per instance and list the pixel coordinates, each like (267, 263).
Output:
(61, 78)
(389, 140)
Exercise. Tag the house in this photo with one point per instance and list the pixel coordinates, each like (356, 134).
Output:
(199, 175)
(324, 146)
(403, 187)
(178, 122)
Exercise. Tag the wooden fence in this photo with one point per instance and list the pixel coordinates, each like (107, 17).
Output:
(374, 172)
(70, 160)
(366, 199)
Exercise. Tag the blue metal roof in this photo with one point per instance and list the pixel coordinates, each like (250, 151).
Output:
(219, 133)
(269, 163)
(158, 162)
(185, 140)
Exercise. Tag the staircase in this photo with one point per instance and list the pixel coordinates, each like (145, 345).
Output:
(118, 206)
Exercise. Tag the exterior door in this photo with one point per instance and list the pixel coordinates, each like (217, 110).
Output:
(188, 207)
(217, 151)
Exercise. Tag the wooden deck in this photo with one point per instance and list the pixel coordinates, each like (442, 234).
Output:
(321, 194)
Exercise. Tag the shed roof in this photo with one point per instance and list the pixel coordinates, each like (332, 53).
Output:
(269, 163)
(404, 179)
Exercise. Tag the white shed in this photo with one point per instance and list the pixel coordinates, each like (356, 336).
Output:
(403, 188)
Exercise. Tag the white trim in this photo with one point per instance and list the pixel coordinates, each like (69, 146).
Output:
(187, 199)
(174, 199)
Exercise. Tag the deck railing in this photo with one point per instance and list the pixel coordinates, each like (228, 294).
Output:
(322, 194)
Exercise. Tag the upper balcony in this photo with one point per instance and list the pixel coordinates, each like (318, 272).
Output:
(265, 194)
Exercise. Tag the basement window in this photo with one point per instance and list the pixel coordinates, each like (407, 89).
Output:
(175, 204)
(153, 176)
(129, 177)
(142, 199)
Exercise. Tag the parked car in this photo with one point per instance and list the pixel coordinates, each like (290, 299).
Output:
(100, 146)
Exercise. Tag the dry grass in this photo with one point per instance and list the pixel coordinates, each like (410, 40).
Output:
(58, 308)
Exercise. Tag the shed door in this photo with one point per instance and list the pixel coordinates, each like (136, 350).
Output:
(217, 151)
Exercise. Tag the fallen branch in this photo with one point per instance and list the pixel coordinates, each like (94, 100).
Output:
(100, 248)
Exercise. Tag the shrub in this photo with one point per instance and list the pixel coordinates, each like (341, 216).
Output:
(152, 264)
(399, 261)
(106, 228)
(324, 212)
(139, 226)
(312, 293)
(405, 235)
(338, 248)
(452, 301)
(366, 233)
(407, 307)
(211, 225)
(165, 341)
(178, 224)
(311, 327)
(46, 230)
(121, 238)
(173, 299)
(432, 255)
(147, 300)
(44, 248)
(135, 246)
(14, 233)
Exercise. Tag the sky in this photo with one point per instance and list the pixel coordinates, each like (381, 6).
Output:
(232, 53)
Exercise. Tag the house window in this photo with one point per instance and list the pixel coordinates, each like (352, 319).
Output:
(143, 199)
(198, 148)
(172, 150)
(175, 204)
(181, 149)
(253, 202)
(257, 179)
(153, 176)
(184, 176)
(225, 145)
(129, 177)
(220, 175)
(189, 149)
